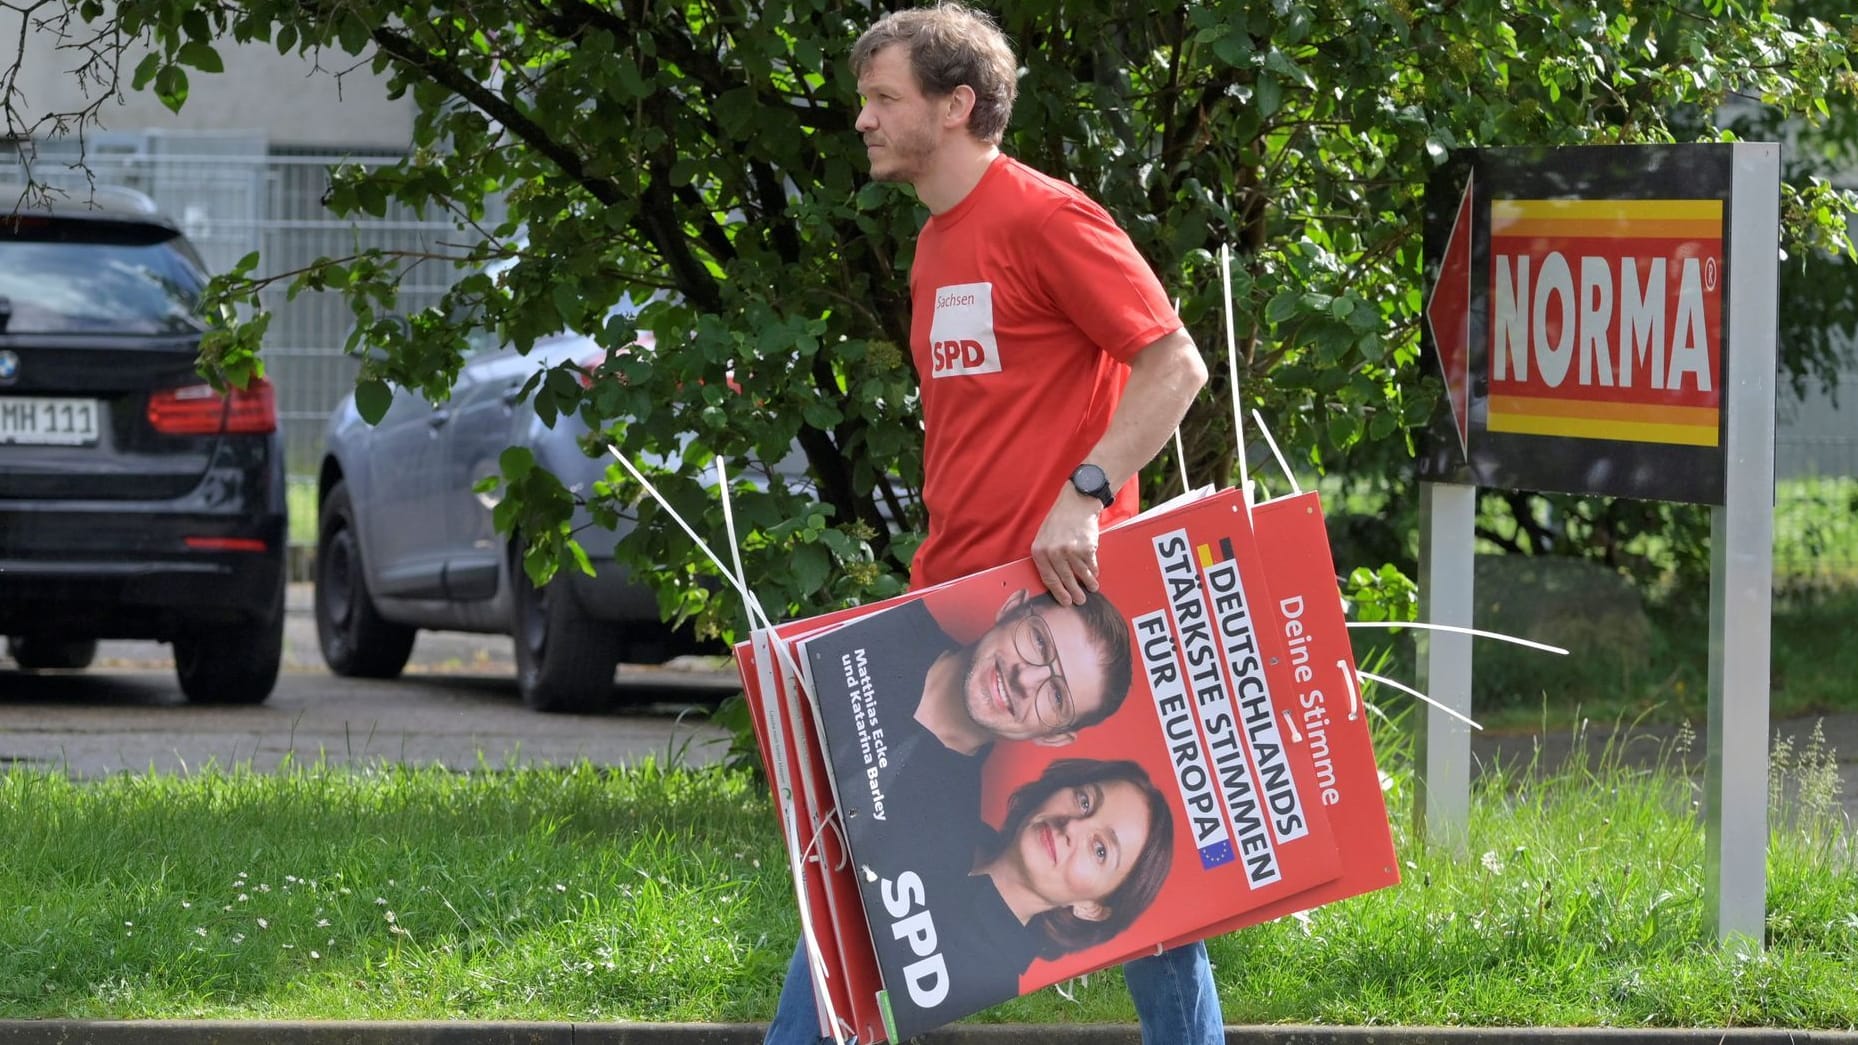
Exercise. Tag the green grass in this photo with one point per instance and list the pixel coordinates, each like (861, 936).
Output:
(1816, 533)
(1646, 657)
(300, 507)
(657, 895)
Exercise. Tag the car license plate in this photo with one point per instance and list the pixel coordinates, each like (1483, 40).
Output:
(48, 422)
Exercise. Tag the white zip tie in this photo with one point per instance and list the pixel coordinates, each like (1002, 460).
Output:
(1290, 722)
(815, 956)
(1455, 629)
(1232, 371)
(1354, 690)
(1180, 450)
(1410, 691)
(1295, 487)
(735, 545)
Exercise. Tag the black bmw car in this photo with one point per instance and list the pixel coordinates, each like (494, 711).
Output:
(136, 501)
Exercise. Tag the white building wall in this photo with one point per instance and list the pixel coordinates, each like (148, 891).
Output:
(288, 99)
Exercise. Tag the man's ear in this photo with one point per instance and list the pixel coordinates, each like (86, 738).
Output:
(1013, 602)
(1090, 911)
(1055, 740)
(960, 102)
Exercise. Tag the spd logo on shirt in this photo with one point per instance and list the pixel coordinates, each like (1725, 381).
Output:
(961, 334)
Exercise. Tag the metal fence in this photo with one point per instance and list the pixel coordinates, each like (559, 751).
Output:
(232, 194)
(1818, 434)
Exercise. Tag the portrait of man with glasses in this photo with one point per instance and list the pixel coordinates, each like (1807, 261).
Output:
(1039, 674)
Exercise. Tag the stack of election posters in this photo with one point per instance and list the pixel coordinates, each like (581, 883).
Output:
(984, 793)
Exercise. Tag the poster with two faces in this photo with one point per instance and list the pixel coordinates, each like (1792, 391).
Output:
(984, 793)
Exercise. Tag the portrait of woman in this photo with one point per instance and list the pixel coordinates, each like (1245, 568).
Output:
(1082, 851)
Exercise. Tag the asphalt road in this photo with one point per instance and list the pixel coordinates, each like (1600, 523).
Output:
(456, 706)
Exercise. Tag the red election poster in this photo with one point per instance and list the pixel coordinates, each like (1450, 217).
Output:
(1029, 792)
(1327, 718)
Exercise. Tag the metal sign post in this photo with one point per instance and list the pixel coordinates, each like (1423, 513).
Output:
(1447, 518)
(1742, 566)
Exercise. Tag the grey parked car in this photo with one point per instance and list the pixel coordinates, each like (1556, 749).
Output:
(404, 543)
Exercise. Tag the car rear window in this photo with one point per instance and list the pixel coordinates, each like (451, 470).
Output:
(85, 276)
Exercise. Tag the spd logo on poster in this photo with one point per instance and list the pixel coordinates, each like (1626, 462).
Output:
(961, 333)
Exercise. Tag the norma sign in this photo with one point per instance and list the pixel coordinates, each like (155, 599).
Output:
(1577, 306)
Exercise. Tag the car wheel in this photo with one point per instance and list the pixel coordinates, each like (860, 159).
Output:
(234, 663)
(357, 641)
(564, 660)
(38, 653)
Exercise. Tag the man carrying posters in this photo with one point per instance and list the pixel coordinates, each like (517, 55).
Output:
(1052, 370)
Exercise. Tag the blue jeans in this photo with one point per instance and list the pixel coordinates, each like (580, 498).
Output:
(1173, 993)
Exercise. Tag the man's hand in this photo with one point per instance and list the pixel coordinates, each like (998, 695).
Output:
(1065, 549)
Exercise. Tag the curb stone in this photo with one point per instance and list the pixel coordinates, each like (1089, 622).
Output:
(344, 1032)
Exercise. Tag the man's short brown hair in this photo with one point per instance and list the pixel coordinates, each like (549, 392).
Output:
(951, 45)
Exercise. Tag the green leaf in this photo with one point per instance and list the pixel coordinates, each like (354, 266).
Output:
(372, 398)
(516, 463)
(171, 87)
(1283, 305)
(200, 55)
(809, 565)
(1267, 95)
(146, 69)
(353, 31)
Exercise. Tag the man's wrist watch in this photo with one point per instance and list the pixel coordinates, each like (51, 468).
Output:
(1090, 481)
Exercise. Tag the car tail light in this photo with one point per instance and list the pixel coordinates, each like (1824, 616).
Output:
(226, 544)
(200, 410)
(588, 366)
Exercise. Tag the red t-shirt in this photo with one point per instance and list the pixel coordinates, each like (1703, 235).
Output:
(1027, 302)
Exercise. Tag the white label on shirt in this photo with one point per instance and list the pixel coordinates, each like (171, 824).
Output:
(961, 334)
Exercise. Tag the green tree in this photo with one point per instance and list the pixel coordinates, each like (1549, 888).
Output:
(702, 153)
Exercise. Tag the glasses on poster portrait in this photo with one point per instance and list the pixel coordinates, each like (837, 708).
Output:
(1052, 701)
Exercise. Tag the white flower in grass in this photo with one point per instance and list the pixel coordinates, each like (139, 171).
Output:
(186, 905)
(238, 938)
(243, 897)
(199, 930)
(380, 901)
(322, 923)
(1492, 863)
(262, 924)
(263, 888)
(317, 955)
